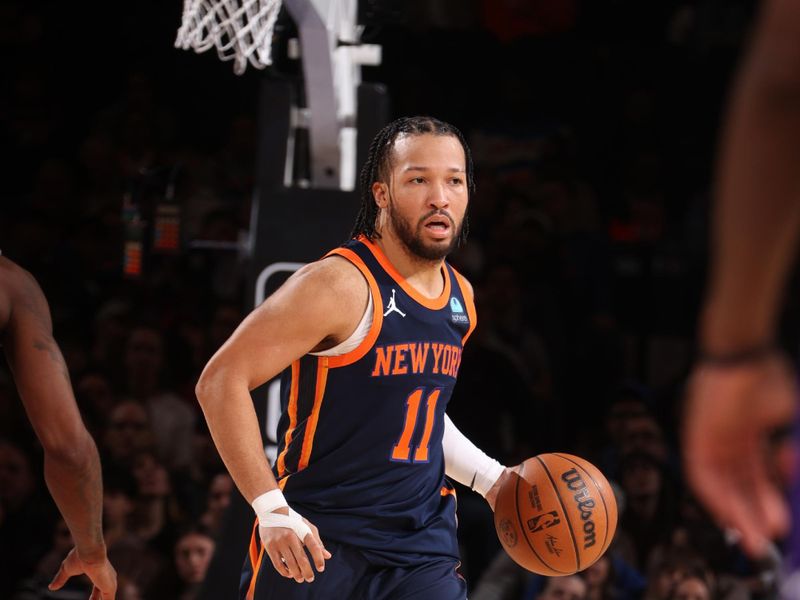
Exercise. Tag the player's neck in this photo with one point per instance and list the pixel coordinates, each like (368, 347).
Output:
(424, 275)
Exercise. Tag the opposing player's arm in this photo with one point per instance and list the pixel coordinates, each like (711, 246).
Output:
(756, 220)
(72, 465)
(742, 391)
(319, 306)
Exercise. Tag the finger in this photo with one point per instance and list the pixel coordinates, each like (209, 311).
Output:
(732, 502)
(769, 516)
(292, 567)
(60, 579)
(287, 561)
(325, 552)
(275, 558)
(96, 594)
(772, 507)
(301, 560)
(317, 551)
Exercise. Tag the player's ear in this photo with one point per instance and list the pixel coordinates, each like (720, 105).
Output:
(380, 191)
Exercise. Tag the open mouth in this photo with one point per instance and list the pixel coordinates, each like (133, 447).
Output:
(437, 224)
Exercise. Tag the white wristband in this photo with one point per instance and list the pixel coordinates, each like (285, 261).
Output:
(466, 463)
(267, 502)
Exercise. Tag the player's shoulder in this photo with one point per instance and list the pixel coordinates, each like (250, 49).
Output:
(15, 276)
(16, 284)
(334, 277)
(20, 294)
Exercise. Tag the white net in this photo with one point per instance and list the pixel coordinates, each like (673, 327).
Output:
(240, 30)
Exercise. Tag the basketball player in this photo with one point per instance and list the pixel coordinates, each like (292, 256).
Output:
(369, 340)
(742, 388)
(71, 462)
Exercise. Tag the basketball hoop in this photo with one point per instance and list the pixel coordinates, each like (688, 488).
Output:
(241, 30)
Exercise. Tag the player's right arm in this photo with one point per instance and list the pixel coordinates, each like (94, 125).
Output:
(319, 306)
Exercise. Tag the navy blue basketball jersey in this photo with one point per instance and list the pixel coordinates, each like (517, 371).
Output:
(360, 438)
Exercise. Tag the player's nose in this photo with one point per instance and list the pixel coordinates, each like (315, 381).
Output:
(438, 197)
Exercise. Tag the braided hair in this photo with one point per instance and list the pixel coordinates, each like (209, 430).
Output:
(378, 165)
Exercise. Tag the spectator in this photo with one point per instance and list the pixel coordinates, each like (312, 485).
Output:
(569, 587)
(35, 587)
(26, 517)
(218, 500)
(158, 514)
(650, 505)
(171, 418)
(127, 433)
(694, 586)
(134, 560)
(670, 569)
(95, 397)
(193, 550)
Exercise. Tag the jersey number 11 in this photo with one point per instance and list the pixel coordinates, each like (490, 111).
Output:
(401, 451)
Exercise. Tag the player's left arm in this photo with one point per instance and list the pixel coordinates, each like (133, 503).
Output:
(71, 465)
(464, 461)
(469, 465)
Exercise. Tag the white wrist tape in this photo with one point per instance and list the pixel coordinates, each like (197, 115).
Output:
(466, 463)
(264, 506)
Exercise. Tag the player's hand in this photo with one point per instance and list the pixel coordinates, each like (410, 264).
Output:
(491, 495)
(100, 573)
(288, 553)
(730, 414)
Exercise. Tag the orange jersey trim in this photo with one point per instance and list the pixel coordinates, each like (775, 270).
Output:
(253, 550)
(313, 419)
(256, 563)
(432, 303)
(377, 312)
(446, 491)
(292, 408)
(471, 313)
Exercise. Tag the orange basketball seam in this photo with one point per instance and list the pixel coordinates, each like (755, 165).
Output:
(602, 498)
(564, 512)
(522, 526)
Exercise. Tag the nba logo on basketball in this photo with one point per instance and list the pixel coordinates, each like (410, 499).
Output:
(543, 521)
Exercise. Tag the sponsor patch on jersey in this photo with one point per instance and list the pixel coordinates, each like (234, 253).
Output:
(457, 311)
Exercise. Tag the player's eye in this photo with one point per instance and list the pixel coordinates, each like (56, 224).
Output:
(418, 180)
(456, 181)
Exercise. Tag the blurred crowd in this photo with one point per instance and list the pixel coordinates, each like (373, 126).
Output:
(593, 133)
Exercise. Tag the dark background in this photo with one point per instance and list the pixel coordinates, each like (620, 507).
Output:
(593, 127)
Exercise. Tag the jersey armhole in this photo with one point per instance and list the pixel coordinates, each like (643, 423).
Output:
(377, 314)
(470, 302)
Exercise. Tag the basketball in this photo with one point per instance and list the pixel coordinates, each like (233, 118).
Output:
(557, 516)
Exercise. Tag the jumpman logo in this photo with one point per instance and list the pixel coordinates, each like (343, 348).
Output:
(392, 307)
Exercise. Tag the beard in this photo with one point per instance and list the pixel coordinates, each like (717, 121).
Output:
(411, 236)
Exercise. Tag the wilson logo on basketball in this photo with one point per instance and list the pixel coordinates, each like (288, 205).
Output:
(543, 521)
(585, 504)
(509, 535)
